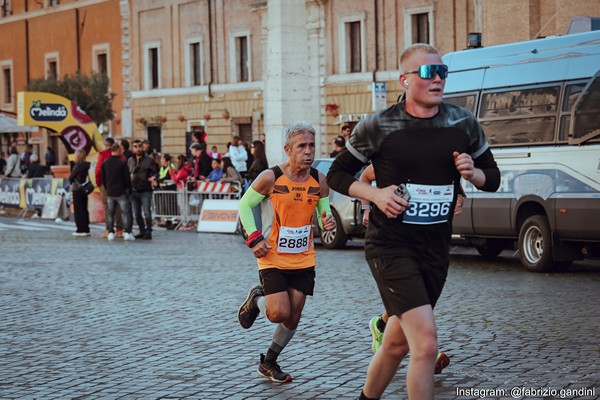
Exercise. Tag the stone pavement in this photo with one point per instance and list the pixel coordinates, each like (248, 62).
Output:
(83, 318)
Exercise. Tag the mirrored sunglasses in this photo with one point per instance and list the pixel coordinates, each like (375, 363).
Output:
(428, 71)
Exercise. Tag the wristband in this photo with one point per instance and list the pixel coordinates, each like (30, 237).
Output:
(254, 238)
(365, 207)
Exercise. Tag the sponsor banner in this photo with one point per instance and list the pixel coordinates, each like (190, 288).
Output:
(32, 193)
(219, 216)
(76, 128)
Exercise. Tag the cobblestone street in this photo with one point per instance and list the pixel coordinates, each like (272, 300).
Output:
(90, 319)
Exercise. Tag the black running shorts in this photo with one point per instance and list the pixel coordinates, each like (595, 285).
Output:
(405, 283)
(279, 280)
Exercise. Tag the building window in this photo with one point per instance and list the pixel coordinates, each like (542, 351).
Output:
(100, 59)
(241, 48)
(6, 11)
(6, 84)
(241, 68)
(418, 26)
(352, 44)
(53, 3)
(354, 53)
(194, 70)
(52, 66)
(152, 66)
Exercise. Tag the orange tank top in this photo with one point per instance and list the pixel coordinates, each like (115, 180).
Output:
(290, 235)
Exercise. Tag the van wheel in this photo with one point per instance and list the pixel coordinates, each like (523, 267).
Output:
(535, 244)
(336, 238)
(490, 248)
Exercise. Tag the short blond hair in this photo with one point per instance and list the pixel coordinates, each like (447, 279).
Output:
(416, 48)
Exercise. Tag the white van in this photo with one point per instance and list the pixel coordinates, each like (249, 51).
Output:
(539, 105)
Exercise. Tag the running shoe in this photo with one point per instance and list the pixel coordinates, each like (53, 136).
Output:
(441, 362)
(111, 236)
(249, 310)
(272, 371)
(377, 334)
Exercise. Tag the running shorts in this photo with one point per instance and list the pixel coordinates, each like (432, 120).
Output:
(405, 283)
(276, 280)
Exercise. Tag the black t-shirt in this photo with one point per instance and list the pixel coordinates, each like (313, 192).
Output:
(419, 152)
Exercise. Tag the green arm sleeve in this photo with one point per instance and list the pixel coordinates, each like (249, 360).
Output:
(323, 204)
(250, 200)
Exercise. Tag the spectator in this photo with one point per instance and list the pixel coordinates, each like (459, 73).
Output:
(238, 156)
(202, 162)
(144, 171)
(103, 156)
(184, 170)
(230, 174)
(338, 144)
(166, 164)
(78, 176)
(50, 157)
(215, 153)
(13, 164)
(217, 172)
(127, 153)
(26, 158)
(346, 130)
(35, 169)
(2, 163)
(117, 182)
(260, 160)
(250, 159)
(146, 147)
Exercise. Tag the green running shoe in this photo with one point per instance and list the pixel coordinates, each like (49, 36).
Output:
(377, 334)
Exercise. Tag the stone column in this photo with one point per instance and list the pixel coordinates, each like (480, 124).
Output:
(287, 73)
(126, 112)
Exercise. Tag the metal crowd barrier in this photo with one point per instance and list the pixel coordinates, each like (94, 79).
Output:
(180, 208)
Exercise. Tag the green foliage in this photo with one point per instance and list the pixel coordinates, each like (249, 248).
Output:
(90, 93)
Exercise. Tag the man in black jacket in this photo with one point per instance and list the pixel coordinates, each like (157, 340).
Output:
(116, 181)
(202, 162)
(144, 173)
(35, 170)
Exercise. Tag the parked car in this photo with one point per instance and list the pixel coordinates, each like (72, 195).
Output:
(346, 214)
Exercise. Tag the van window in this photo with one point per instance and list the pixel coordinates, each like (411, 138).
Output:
(585, 113)
(464, 100)
(571, 95)
(520, 116)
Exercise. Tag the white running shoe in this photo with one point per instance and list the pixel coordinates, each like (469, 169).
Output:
(128, 236)
(111, 236)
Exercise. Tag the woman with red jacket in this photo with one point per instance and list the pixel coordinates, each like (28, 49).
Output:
(184, 169)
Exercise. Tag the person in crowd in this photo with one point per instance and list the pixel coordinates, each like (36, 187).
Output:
(125, 146)
(144, 172)
(13, 164)
(79, 175)
(228, 154)
(164, 177)
(116, 180)
(182, 173)
(202, 162)
(230, 174)
(338, 144)
(286, 256)
(214, 153)
(217, 171)
(50, 157)
(238, 156)
(250, 159)
(345, 132)
(103, 156)
(146, 147)
(35, 169)
(420, 148)
(2, 163)
(26, 158)
(260, 160)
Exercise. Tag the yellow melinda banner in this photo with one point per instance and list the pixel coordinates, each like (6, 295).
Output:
(61, 115)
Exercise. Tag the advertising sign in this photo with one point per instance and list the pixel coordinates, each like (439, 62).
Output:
(219, 216)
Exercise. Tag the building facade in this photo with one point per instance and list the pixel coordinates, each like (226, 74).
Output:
(250, 67)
